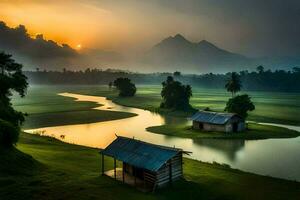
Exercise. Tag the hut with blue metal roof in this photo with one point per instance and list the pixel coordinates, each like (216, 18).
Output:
(150, 164)
(217, 121)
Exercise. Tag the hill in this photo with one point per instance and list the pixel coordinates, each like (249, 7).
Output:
(176, 52)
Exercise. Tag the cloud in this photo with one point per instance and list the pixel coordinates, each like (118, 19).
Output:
(250, 27)
(39, 52)
(34, 51)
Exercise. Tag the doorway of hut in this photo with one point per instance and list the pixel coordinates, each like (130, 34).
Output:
(130, 175)
(134, 171)
(201, 126)
(235, 127)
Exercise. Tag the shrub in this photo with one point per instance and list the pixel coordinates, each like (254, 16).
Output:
(125, 86)
(240, 105)
(9, 134)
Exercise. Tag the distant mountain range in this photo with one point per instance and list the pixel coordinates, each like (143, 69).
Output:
(178, 53)
(171, 54)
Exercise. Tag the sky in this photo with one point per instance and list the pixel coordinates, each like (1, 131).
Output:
(252, 28)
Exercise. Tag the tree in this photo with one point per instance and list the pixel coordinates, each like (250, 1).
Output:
(177, 73)
(240, 105)
(11, 79)
(296, 69)
(233, 84)
(260, 69)
(125, 87)
(9, 133)
(175, 95)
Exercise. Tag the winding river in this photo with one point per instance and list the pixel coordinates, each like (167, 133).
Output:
(274, 157)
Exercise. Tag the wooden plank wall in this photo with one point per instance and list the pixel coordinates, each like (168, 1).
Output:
(163, 174)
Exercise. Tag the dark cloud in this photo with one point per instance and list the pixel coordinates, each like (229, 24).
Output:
(47, 54)
(34, 51)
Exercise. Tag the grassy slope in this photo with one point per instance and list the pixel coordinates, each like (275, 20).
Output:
(271, 107)
(254, 132)
(65, 171)
(45, 108)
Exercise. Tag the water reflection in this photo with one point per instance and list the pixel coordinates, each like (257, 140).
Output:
(229, 148)
(276, 157)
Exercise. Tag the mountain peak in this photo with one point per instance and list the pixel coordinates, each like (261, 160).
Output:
(206, 43)
(179, 37)
(172, 41)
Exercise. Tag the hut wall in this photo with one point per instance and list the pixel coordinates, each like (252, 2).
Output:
(196, 125)
(228, 127)
(150, 177)
(214, 127)
(241, 126)
(163, 174)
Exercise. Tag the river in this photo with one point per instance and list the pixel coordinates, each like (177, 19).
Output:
(275, 157)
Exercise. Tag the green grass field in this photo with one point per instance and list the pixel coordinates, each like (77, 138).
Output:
(271, 107)
(63, 171)
(58, 170)
(254, 132)
(45, 108)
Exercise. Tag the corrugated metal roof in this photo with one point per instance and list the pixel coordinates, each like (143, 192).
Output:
(140, 154)
(212, 117)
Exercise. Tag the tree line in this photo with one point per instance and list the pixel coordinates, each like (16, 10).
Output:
(258, 80)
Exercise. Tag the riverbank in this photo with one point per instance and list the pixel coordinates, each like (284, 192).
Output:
(254, 132)
(64, 171)
(83, 113)
(46, 108)
(271, 107)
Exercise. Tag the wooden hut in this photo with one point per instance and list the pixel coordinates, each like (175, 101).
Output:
(153, 165)
(216, 121)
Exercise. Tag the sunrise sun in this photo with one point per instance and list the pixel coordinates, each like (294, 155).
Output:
(78, 46)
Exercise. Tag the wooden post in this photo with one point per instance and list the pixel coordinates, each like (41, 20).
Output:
(123, 176)
(102, 164)
(115, 172)
(181, 164)
(134, 174)
(144, 181)
(170, 171)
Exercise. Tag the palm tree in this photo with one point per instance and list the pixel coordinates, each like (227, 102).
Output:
(233, 84)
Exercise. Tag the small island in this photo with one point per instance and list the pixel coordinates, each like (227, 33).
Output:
(254, 131)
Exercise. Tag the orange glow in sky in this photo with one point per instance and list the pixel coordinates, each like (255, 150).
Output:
(104, 25)
(67, 22)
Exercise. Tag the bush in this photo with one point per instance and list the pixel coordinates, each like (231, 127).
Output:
(240, 105)
(125, 86)
(175, 95)
(9, 134)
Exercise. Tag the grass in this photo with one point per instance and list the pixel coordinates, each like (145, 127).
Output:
(45, 168)
(58, 170)
(45, 108)
(271, 107)
(254, 132)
